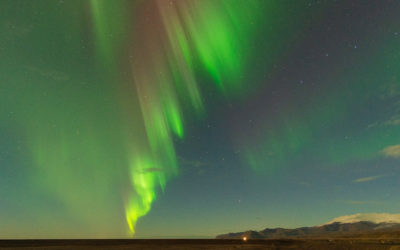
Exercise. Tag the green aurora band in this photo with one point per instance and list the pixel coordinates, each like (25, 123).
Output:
(96, 130)
(175, 37)
(305, 126)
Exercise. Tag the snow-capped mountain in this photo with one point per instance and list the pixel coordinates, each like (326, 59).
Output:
(340, 226)
(372, 217)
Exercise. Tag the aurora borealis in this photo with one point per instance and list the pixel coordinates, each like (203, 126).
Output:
(162, 62)
(188, 118)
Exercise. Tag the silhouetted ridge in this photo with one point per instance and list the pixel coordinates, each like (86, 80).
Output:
(333, 229)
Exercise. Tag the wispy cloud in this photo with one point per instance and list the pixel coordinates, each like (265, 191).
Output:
(392, 151)
(392, 121)
(362, 202)
(369, 178)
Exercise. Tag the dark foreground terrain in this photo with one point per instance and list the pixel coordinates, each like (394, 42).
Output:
(345, 243)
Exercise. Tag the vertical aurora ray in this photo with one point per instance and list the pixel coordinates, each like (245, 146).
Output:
(58, 110)
(217, 31)
(100, 127)
(109, 19)
(169, 41)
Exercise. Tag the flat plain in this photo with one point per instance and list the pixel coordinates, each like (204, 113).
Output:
(204, 244)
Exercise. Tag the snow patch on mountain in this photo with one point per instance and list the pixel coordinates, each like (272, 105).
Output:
(371, 217)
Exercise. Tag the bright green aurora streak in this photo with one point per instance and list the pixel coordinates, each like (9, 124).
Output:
(174, 37)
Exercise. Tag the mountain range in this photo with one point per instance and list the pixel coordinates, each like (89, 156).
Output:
(340, 226)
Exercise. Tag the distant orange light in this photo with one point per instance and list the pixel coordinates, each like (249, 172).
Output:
(244, 238)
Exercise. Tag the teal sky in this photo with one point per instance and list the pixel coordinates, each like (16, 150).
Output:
(195, 118)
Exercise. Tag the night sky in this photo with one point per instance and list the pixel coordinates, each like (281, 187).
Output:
(191, 118)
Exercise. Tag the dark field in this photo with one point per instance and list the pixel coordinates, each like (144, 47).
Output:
(204, 244)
